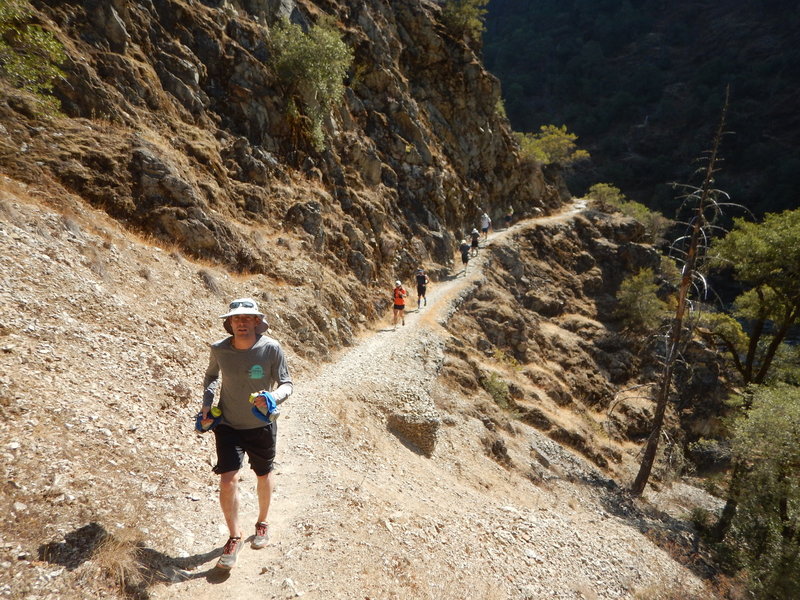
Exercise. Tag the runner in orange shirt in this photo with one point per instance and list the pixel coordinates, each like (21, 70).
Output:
(399, 295)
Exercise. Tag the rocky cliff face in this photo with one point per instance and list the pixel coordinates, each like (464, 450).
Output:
(177, 125)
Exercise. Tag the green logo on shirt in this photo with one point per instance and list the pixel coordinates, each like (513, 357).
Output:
(256, 372)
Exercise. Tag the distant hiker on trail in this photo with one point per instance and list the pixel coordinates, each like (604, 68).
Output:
(399, 296)
(422, 286)
(464, 249)
(475, 237)
(249, 363)
(486, 223)
(509, 216)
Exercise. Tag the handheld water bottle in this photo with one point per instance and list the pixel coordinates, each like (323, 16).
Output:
(272, 408)
(215, 414)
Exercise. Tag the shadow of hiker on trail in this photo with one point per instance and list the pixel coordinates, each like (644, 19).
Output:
(131, 565)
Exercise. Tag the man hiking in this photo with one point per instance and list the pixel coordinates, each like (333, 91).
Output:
(464, 249)
(475, 236)
(509, 216)
(249, 362)
(399, 298)
(422, 286)
(486, 223)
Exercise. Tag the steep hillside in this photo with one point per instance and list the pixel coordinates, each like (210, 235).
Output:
(395, 480)
(178, 177)
(642, 85)
(178, 125)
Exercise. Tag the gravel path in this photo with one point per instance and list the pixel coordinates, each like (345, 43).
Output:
(358, 514)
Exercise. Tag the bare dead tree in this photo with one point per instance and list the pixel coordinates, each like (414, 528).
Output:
(705, 205)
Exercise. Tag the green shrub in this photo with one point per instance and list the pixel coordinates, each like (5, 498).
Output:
(764, 537)
(312, 66)
(497, 388)
(507, 359)
(638, 305)
(29, 55)
(669, 271)
(606, 193)
(551, 145)
(500, 108)
(465, 17)
(655, 224)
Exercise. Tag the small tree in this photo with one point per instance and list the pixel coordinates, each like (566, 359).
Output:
(551, 145)
(312, 67)
(765, 257)
(765, 536)
(29, 55)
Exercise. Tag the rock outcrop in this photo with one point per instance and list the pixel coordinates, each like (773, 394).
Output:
(177, 124)
(544, 319)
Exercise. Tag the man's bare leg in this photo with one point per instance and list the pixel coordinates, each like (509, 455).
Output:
(265, 485)
(229, 501)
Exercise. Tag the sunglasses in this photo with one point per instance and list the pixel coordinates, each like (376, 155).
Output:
(242, 304)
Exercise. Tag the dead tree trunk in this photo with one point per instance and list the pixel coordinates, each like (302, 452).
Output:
(703, 197)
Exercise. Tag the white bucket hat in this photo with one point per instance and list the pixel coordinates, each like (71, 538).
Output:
(243, 306)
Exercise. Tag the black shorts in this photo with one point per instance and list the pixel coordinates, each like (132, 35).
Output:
(474, 243)
(465, 258)
(421, 290)
(484, 229)
(258, 443)
(399, 306)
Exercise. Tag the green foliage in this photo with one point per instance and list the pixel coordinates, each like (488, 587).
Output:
(638, 305)
(765, 538)
(497, 388)
(765, 253)
(500, 108)
(465, 17)
(654, 222)
(551, 145)
(786, 366)
(727, 328)
(29, 55)
(606, 193)
(669, 271)
(507, 359)
(312, 66)
(571, 62)
(765, 257)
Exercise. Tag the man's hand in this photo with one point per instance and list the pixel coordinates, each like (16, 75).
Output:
(261, 402)
(206, 421)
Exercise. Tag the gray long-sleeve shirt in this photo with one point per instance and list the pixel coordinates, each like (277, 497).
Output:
(261, 367)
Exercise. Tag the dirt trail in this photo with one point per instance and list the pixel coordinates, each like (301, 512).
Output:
(357, 514)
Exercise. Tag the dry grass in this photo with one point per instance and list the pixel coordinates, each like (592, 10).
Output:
(95, 262)
(722, 588)
(117, 558)
(210, 281)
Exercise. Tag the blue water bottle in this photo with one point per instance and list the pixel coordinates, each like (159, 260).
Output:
(272, 407)
(215, 414)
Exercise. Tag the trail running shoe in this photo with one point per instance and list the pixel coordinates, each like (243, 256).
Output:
(262, 535)
(229, 553)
